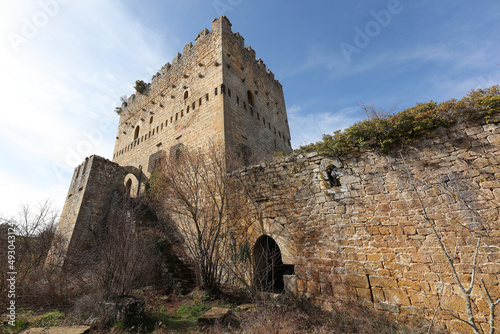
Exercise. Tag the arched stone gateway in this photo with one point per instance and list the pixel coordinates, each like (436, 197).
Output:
(274, 256)
(268, 265)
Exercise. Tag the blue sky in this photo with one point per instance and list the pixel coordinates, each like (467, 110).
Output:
(65, 64)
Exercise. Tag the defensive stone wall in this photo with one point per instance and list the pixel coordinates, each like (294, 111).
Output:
(353, 227)
(350, 227)
(88, 195)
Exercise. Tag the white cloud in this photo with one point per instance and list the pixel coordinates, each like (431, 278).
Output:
(308, 128)
(59, 91)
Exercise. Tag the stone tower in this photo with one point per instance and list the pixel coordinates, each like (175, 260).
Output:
(215, 92)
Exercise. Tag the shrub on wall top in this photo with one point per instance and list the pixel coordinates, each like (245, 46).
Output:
(409, 124)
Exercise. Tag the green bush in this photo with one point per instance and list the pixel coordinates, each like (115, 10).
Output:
(140, 86)
(409, 124)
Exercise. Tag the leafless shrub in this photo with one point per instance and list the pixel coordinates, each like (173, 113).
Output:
(34, 229)
(118, 254)
(371, 111)
(479, 231)
(191, 190)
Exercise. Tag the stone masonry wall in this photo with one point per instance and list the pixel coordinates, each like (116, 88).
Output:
(180, 107)
(90, 187)
(365, 238)
(261, 124)
(201, 99)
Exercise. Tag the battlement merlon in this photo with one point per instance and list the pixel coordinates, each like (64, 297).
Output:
(79, 173)
(219, 25)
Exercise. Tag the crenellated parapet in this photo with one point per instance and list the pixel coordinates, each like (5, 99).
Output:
(183, 101)
(169, 72)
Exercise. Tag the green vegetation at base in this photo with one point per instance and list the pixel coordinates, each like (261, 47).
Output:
(408, 125)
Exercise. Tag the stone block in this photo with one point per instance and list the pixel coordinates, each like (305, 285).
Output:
(290, 282)
(386, 307)
(378, 295)
(453, 302)
(363, 294)
(458, 327)
(396, 296)
(313, 287)
(218, 315)
(126, 309)
(383, 282)
(358, 281)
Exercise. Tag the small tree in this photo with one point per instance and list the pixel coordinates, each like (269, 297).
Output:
(33, 233)
(141, 86)
(118, 253)
(191, 189)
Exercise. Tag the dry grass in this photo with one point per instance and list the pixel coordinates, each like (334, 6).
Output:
(173, 313)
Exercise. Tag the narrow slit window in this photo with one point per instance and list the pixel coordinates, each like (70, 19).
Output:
(223, 89)
(206, 96)
(136, 134)
(194, 105)
(187, 110)
(215, 91)
(229, 92)
(250, 99)
(199, 102)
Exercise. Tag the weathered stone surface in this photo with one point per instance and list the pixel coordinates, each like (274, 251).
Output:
(218, 315)
(247, 307)
(58, 330)
(125, 309)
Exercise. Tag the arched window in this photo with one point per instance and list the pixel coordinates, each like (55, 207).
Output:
(250, 99)
(136, 133)
(186, 95)
(151, 120)
(129, 187)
